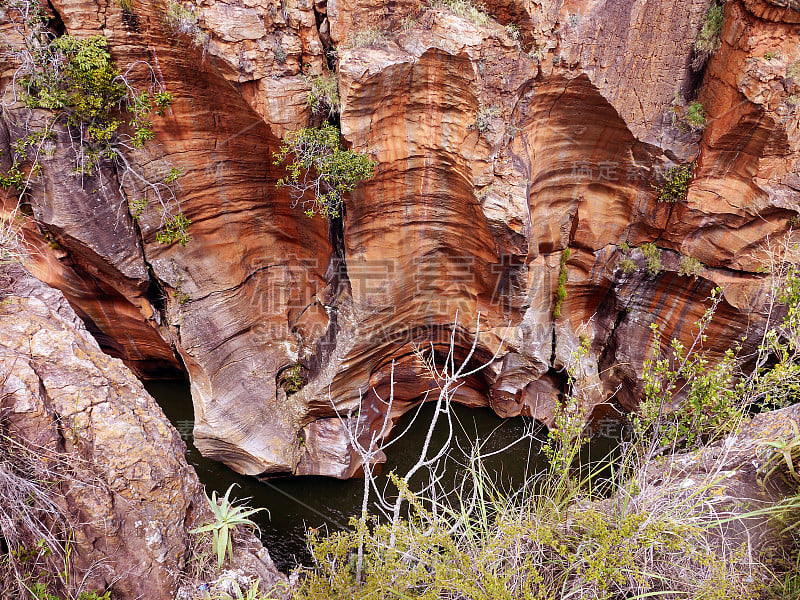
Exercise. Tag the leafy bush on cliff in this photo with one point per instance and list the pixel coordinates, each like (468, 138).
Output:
(77, 80)
(87, 97)
(464, 9)
(561, 286)
(175, 231)
(676, 184)
(708, 38)
(324, 93)
(696, 115)
(653, 256)
(690, 266)
(321, 167)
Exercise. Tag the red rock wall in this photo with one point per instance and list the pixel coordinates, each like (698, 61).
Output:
(461, 217)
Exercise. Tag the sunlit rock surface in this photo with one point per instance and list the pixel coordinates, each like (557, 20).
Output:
(496, 152)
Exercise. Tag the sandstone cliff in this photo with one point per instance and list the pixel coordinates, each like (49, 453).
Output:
(130, 497)
(498, 149)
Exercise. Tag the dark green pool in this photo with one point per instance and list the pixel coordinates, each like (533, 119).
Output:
(299, 503)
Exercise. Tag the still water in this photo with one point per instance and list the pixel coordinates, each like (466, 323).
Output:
(299, 503)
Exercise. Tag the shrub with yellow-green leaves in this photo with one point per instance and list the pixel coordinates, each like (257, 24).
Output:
(319, 166)
(76, 86)
(533, 548)
(76, 79)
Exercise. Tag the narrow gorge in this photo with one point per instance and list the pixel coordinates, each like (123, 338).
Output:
(554, 187)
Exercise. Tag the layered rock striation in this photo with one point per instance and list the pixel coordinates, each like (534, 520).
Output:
(129, 496)
(512, 148)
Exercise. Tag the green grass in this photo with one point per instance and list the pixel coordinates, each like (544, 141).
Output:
(464, 9)
(561, 286)
(708, 39)
(690, 266)
(696, 115)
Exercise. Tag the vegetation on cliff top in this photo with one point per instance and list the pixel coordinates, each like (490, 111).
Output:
(71, 85)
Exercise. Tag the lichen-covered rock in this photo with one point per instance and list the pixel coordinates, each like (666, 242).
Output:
(133, 497)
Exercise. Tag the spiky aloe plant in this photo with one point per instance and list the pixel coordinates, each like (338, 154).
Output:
(228, 518)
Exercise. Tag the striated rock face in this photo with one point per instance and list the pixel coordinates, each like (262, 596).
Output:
(132, 493)
(496, 153)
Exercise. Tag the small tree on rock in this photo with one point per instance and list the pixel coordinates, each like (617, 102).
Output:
(322, 166)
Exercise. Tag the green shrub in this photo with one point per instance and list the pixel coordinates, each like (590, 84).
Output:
(627, 265)
(691, 117)
(483, 118)
(708, 39)
(464, 9)
(82, 90)
(324, 93)
(174, 231)
(676, 184)
(689, 266)
(77, 78)
(561, 288)
(322, 167)
(39, 592)
(293, 379)
(653, 256)
(173, 175)
(690, 396)
(696, 115)
(179, 295)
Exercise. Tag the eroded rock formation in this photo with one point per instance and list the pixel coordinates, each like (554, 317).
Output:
(131, 496)
(497, 151)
